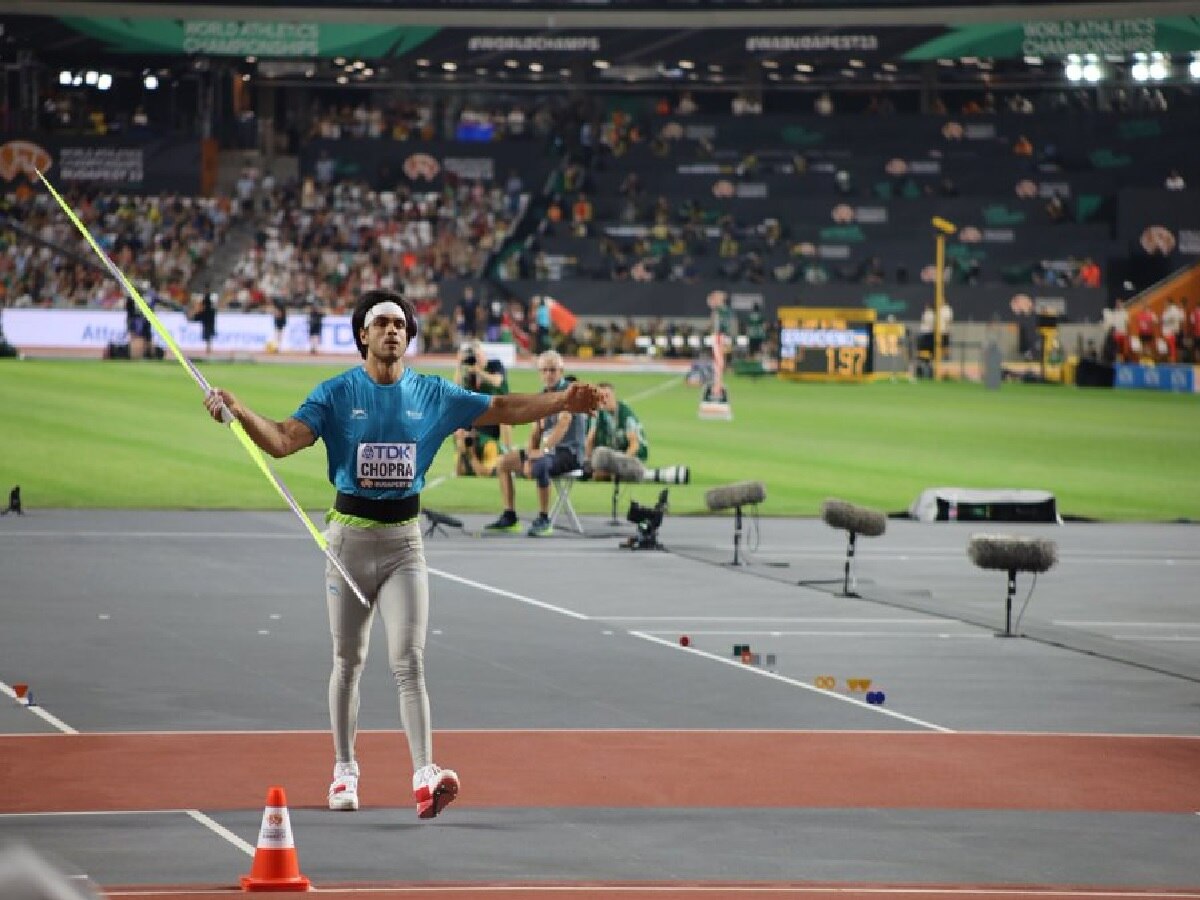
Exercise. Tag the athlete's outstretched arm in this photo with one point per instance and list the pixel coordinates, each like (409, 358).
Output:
(514, 409)
(277, 439)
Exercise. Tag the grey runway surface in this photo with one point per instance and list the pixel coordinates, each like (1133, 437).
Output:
(148, 621)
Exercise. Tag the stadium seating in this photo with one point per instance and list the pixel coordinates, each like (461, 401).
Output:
(817, 199)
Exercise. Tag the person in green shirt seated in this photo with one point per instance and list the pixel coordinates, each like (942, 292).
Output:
(615, 426)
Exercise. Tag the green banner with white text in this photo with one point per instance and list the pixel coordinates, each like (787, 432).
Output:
(217, 36)
(227, 37)
(1126, 36)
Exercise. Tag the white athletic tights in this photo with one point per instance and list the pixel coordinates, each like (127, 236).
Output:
(389, 566)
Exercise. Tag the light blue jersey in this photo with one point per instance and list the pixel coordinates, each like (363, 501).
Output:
(380, 439)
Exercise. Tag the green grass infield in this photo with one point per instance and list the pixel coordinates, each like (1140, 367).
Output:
(135, 435)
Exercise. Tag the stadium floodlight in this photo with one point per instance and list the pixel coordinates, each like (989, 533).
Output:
(90, 77)
(601, 63)
(450, 66)
(536, 67)
(686, 64)
(103, 81)
(1140, 70)
(1194, 68)
(65, 78)
(1074, 68)
(1160, 67)
(150, 82)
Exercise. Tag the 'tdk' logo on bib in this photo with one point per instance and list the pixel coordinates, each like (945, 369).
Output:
(386, 465)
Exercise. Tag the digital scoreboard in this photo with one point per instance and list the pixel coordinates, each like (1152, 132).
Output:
(826, 344)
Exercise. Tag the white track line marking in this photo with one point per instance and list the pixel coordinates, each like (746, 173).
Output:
(1155, 637)
(833, 620)
(657, 640)
(1084, 623)
(849, 732)
(500, 592)
(560, 551)
(738, 664)
(727, 889)
(841, 634)
(215, 827)
(221, 831)
(915, 556)
(1077, 553)
(39, 711)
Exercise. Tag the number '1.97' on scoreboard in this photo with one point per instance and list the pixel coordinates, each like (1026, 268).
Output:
(823, 344)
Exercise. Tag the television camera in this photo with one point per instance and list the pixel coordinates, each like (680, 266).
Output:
(648, 520)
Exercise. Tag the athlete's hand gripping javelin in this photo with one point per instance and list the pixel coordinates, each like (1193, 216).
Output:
(583, 398)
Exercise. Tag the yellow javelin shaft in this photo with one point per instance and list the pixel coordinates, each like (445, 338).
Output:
(234, 424)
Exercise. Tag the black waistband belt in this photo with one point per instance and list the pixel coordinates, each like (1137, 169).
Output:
(390, 511)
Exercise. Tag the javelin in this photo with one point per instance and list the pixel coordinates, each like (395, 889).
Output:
(226, 415)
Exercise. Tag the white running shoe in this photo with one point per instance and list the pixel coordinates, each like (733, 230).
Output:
(433, 788)
(343, 793)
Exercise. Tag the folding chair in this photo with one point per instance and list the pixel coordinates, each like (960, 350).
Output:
(562, 500)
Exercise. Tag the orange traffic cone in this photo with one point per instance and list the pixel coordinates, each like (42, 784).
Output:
(276, 866)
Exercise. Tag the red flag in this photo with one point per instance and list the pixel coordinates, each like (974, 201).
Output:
(564, 320)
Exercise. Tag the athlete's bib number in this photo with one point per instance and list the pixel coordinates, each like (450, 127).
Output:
(386, 465)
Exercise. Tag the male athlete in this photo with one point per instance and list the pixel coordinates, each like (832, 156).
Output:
(382, 424)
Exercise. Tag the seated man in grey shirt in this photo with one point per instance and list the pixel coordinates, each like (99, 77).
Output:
(555, 446)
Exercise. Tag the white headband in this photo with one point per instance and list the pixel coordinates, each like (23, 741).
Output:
(387, 308)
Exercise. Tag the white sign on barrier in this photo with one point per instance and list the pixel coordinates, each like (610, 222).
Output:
(95, 329)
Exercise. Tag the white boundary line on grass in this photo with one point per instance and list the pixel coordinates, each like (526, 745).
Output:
(657, 389)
